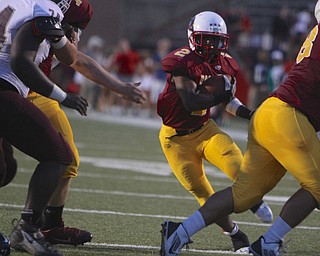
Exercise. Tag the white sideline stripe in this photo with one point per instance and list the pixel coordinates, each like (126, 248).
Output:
(272, 199)
(15, 206)
(275, 200)
(169, 179)
(147, 247)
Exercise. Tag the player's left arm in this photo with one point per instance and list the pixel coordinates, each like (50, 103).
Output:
(236, 108)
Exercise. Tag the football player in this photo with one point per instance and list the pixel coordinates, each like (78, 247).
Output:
(188, 135)
(77, 14)
(291, 115)
(26, 27)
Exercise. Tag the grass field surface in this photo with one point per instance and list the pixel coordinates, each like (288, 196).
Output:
(125, 190)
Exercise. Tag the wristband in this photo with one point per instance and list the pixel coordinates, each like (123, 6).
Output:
(62, 42)
(233, 106)
(57, 94)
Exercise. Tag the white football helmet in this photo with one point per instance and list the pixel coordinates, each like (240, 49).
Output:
(207, 35)
(64, 5)
(317, 11)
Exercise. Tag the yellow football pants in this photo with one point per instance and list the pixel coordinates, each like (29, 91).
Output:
(280, 139)
(185, 156)
(60, 122)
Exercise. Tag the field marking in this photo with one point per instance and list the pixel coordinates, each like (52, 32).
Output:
(276, 200)
(147, 247)
(156, 216)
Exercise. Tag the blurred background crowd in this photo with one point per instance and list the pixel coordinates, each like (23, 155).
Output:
(130, 37)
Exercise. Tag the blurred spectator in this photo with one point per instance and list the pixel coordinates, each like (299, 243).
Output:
(163, 48)
(302, 25)
(260, 78)
(145, 74)
(281, 26)
(124, 64)
(94, 93)
(276, 72)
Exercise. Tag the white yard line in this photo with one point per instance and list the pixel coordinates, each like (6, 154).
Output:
(144, 247)
(157, 216)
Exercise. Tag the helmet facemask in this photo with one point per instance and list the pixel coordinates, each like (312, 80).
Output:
(209, 45)
(64, 5)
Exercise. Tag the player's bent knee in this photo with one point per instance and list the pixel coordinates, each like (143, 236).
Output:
(243, 202)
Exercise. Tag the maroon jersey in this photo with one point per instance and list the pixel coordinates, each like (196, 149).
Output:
(78, 15)
(301, 89)
(185, 62)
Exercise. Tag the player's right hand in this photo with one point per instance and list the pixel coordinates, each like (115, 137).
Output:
(133, 93)
(76, 102)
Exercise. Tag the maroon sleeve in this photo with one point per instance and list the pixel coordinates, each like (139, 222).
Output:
(229, 65)
(174, 66)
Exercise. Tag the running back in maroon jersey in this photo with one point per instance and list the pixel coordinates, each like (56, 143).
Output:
(184, 62)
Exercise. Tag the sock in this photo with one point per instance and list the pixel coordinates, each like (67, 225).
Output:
(277, 231)
(233, 232)
(256, 207)
(194, 223)
(52, 217)
(32, 216)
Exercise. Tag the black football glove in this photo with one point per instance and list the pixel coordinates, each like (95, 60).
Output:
(76, 102)
(70, 32)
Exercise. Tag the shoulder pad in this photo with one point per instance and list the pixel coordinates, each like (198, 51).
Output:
(229, 65)
(47, 27)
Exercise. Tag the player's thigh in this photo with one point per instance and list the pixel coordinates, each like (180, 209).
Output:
(221, 151)
(28, 129)
(259, 173)
(299, 151)
(60, 122)
(185, 160)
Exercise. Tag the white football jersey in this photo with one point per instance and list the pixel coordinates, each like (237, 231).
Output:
(13, 14)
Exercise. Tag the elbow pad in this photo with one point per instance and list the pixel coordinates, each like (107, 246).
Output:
(48, 27)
